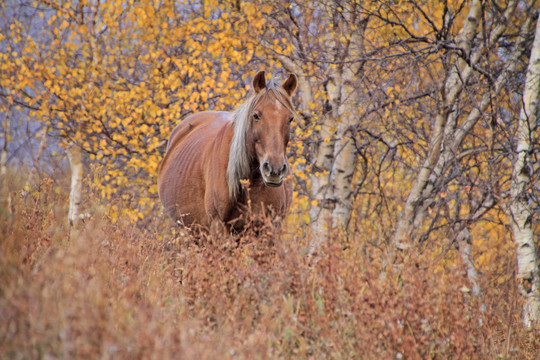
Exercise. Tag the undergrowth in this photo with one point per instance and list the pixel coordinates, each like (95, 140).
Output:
(131, 291)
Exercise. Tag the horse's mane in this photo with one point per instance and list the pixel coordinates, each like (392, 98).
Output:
(239, 158)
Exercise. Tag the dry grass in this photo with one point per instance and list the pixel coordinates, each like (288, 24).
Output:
(124, 291)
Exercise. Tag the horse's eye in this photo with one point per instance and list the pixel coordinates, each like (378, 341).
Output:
(256, 117)
(291, 119)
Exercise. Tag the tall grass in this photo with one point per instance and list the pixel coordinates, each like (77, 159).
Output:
(127, 291)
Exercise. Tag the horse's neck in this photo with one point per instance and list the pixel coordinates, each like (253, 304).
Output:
(224, 140)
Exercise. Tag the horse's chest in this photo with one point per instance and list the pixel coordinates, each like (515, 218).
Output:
(261, 203)
(265, 200)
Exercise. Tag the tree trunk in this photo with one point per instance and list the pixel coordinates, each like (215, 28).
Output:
(4, 153)
(520, 212)
(6, 194)
(76, 164)
(345, 152)
(321, 187)
(464, 243)
(335, 202)
(344, 169)
(335, 160)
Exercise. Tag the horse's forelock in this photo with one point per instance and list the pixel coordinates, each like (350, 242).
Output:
(239, 158)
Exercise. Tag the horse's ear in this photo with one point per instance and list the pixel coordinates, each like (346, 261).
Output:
(290, 84)
(259, 82)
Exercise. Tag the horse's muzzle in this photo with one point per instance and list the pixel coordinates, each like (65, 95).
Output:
(273, 183)
(273, 175)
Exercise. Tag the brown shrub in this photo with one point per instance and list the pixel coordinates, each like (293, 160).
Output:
(126, 291)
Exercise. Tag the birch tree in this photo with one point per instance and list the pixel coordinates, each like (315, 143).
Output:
(75, 213)
(478, 75)
(6, 196)
(327, 59)
(448, 132)
(521, 215)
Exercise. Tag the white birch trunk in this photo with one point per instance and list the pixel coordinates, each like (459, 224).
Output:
(75, 153)
(321, 187)
(464, 242)
(6, 195)
(3, 162)
(75, 195)
(520, 214)
(344, 169)
(4, 154)
(345, 152)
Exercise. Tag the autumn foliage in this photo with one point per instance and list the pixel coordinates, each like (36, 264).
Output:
(114, 80)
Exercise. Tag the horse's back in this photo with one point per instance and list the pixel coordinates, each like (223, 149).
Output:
(181, 180)
(205, 121)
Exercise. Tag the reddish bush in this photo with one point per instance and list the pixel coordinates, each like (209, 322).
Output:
(126, 291)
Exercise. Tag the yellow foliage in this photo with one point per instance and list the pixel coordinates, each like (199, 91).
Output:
(116, 85)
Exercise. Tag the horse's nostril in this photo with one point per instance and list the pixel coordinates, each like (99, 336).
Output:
(266, 167)
(268, 170)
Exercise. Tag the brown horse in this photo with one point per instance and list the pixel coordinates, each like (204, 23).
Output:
(209, 153)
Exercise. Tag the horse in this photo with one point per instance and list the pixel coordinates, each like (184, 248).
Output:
(218, 164)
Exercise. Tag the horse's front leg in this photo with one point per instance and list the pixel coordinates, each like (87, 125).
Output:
(217, 228)
(220, 233)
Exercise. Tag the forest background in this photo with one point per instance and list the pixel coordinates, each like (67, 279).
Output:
(414, 226)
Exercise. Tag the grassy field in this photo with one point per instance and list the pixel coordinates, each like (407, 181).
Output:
(145, 291)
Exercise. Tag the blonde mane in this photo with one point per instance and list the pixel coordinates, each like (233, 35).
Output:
(239, 158)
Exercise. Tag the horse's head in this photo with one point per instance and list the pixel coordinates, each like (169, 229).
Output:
(268, 135)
